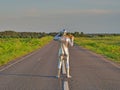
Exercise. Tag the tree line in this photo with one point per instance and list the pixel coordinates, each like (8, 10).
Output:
(13, 34)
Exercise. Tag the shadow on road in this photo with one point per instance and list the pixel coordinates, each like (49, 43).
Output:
(27, 75)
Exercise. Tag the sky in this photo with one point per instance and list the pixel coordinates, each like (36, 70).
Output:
(88, 16)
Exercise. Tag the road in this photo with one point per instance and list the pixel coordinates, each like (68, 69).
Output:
(37, 71)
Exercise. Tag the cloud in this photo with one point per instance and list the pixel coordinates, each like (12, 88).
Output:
(87, 11)
(31, 12)
(96, 11)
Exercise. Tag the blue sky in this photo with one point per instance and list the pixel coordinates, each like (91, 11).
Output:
(89, 16)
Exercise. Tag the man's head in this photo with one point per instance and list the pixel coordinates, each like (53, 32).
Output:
(63, 32)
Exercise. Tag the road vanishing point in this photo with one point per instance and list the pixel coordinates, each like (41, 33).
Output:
(38, 70)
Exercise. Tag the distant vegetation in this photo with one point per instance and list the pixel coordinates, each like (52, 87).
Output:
(108, 46)
(13, 34)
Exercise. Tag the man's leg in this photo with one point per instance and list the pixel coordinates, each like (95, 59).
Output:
(59, 66)
(68, 67)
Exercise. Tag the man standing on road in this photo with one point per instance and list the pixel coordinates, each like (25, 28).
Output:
(63, 54)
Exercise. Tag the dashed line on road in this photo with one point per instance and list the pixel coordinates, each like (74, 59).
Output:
(63, 67)
(65, 83)
(66, 86)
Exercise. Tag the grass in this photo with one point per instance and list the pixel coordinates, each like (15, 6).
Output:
(11, 48)
(108, 46)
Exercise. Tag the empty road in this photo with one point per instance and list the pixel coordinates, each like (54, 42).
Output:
(37, 71)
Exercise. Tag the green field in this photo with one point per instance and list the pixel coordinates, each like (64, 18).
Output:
(108, 46)
(11, 48)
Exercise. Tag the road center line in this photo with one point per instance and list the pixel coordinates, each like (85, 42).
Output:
(65, 83)
(66, 86)
(63, 67)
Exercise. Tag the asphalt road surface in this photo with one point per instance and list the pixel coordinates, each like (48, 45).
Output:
(37, 71)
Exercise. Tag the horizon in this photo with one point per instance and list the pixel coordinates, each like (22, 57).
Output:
(53, 32)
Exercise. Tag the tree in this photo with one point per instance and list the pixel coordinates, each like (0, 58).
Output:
(76, 34)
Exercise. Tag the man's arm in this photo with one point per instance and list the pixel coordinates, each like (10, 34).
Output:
(71, 40)
(57, 37)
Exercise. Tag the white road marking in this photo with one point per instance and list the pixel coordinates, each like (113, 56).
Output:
(112, 63)
(18, 61)
(66, 86)
(63, 67)
(103, 58)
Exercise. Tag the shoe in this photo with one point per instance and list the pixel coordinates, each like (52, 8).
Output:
(57, 76)
(69, 76)
(68, 73)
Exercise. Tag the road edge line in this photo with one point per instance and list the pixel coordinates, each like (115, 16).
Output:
(19, 60)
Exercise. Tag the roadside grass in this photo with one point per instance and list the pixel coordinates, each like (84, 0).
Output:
(11, 48)
(108, 46)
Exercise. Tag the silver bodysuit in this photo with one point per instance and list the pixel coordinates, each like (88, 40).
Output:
(63, 54)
